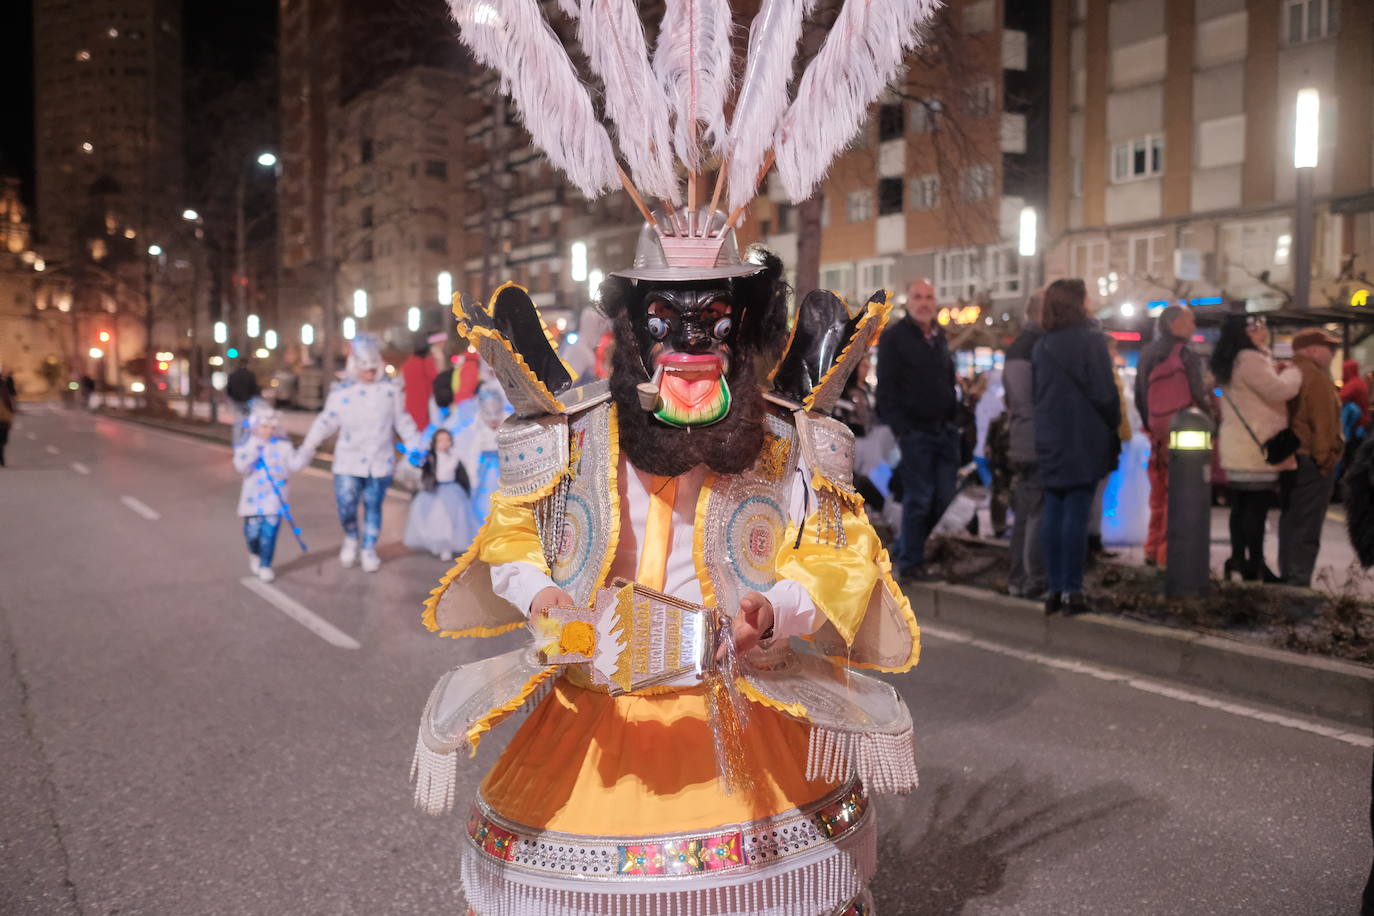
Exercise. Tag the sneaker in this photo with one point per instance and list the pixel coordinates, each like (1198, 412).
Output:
(254, 564)
(265, 573)
(371, 562)
(348, 553)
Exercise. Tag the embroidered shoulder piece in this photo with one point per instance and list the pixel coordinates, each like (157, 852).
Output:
(828, 447)
(513, 339)
(534, 453)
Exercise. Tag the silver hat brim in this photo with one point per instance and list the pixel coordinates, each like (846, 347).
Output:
(689, 273)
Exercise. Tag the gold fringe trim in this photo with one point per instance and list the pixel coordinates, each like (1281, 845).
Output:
(851, 498)
(493, 716)
(755, 695)
(861, 338)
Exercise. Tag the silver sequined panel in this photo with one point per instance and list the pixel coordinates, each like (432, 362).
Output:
(533, 452)
(580, 543)
(746, 518)
(829, 448)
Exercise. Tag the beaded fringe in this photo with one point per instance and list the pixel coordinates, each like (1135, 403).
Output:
(435, 774)
(817, 888)
(885, 763)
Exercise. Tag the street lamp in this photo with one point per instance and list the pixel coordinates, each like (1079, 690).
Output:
(443, 286)
(307, 334)
(413, 319)
(578, 261)
(1306, 131)
(594, 279)
(95, 353)
(221, 332)
(155, 250)
(350, 328)
(269, 339)
(360, 303)
(267, 160)
(252, 326)
(1026, 248)
(190, 215)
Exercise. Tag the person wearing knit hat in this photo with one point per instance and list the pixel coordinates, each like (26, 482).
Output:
(264, 458)
(368, 412)
(1314, 414)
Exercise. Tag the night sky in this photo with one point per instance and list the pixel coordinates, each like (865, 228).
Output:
(234, 35)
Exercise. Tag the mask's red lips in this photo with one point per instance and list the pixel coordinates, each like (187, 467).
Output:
(690, 379)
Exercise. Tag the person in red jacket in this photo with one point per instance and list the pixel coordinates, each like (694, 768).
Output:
(1355, 390)
(418, 372)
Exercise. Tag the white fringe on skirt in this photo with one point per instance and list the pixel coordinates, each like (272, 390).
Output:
(885, 763)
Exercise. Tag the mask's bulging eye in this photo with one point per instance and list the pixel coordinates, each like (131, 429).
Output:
(658, 328)
(722, 328)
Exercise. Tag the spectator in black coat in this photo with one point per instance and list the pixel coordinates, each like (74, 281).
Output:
(916, 398)
(1026, 572)
(1077, 414)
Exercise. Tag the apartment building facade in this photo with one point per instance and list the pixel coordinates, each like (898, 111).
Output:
(1172, 172)
(935, 184)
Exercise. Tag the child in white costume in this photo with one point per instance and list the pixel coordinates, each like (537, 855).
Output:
(368, 412)
(441, 519)
(264, 459)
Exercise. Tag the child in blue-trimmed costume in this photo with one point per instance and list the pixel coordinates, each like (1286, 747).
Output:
(264, 459)
(441, 519)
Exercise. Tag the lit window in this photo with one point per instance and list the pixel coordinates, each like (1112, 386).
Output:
(925, 192)
(976, 182)
(859, 206)
(83, 55)
(88, 147)
(112, 32)
(1142, 157)
(1309, 20)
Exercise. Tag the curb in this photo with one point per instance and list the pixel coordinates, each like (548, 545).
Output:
(1330, 688)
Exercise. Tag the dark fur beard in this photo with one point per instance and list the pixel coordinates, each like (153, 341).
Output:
(730, 446)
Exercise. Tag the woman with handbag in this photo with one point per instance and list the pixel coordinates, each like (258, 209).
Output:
(1077, 412)
(1255, 442)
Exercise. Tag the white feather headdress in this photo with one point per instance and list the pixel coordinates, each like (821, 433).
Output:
(673, 105)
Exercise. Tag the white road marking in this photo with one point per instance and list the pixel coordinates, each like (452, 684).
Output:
(80, 468)
(300, 613)
(1145, 685)
(141, 508)
(52, 450)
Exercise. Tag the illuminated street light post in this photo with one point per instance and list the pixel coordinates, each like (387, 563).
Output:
(1305, 135)
(267, 161)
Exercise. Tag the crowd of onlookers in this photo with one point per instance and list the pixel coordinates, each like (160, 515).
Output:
(1047, 431)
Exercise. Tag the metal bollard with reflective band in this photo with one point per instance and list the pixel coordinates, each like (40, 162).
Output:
(1190, 505)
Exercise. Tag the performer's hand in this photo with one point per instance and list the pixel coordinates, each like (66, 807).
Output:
(553, 596)
(755, 618)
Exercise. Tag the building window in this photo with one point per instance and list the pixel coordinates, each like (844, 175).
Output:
(976, 182)
(889, 196)
(1148, 255)
(437, 244)
(1250, 248)
(979, 99)
(1309, 20)
(366, 150)
(838, 278)
(366, 218)
(875, 275)
(1140, 158)
(891, 123)
(365, 251)
(925, 192)
(924, 113)
(956, 274)
(1004, 271)
(859, 206)
(1088, 260)
(787, 218)
(978, 17)
(436, 168)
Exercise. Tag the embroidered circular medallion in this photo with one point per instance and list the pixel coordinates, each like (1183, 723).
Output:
(752, 540)
(575, 544)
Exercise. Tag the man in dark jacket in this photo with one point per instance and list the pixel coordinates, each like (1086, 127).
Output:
(1026, 572)
(916, 398)
(1314, 415)
(1175, 329)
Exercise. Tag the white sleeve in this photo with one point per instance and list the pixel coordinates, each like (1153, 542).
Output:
(794, 613)
(519, 582)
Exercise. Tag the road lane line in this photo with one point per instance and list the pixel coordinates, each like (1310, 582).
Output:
(80, 468)
(300, 613)
(140, 507)
(52, 450)
(1157, 688)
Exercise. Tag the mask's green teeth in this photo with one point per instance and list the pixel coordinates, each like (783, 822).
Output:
(712, 411)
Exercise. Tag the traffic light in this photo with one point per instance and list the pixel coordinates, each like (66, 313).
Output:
(162, 366)
(232, 353)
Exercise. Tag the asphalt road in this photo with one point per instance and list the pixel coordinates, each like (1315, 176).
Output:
(174, 743)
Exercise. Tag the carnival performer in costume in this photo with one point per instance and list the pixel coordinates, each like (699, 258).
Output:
(441, 519)
(683, 542)
(264, 459)
(368, 412)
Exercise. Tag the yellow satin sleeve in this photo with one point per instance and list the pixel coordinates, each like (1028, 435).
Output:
(510, 535)
(838, 577)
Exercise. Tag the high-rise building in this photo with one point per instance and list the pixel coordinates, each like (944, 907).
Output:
(934, 184)
(1173, 149)
(108, 111)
